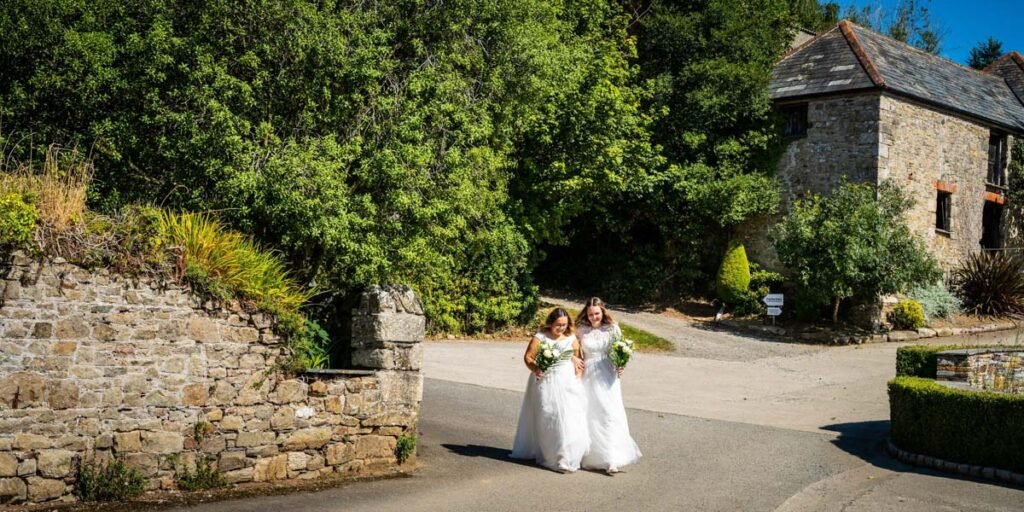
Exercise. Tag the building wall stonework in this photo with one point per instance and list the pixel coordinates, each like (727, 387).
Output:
(921, 145)
(95, 366)
(842, 141)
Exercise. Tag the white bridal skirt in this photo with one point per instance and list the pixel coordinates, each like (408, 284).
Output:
(610, 442)
(552, 426)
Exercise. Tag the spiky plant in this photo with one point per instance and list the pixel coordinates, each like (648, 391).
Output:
(991, 283)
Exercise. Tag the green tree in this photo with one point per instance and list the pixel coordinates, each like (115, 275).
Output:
(813, 14)
(705, 67)
(854, 242)
(985, 53)
(909, 21)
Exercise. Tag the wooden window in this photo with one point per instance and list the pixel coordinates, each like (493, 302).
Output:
(943, 211)
(795, 117)
(996, 158)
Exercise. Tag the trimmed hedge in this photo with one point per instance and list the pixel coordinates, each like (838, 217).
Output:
(972, 427)
(921, 360)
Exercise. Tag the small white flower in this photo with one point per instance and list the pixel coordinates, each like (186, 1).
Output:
(547, 353)
(555, 352)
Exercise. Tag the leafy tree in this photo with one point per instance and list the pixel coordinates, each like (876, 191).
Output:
(909, 21)
(852, 243)
(985, 53)
(705, 67)
(369, 141)
(814, 15)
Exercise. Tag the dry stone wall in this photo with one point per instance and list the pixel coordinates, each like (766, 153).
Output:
(95, 366)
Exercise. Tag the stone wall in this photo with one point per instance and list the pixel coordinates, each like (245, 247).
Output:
(921, 145)
(841, 141)
(990, 369)
(95, 366)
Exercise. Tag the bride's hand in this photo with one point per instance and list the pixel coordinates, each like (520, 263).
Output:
(538, 373)
(618, 371)
(578, 363)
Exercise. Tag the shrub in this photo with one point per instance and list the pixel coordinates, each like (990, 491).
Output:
(405, 447)
(733, 279)
(762, 282)
(206, 476)
(113, 481)
(58, 190)
(314, 347)
(972, 427)
(936, 301)
(907, 315)
(990, 283)
(17, 220)
(854, 241)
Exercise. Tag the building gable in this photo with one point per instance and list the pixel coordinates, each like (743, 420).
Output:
(850, 58)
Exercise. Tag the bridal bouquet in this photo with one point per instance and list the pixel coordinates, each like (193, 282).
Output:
(548, 356)
(620, 350)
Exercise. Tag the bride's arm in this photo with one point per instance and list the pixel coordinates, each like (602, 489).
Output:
(528, 358)
(577, 349)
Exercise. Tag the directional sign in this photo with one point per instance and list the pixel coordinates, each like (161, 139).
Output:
(773, 299)
(774, 311)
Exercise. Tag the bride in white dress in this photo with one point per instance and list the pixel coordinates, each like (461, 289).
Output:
(611, 446)
(552, 422)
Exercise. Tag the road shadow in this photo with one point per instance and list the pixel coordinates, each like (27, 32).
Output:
(491, 452)
(868, 440)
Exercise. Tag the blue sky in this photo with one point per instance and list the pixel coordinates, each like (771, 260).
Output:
(967, 22)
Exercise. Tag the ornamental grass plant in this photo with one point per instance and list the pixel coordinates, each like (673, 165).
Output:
(227, 264)
(991, 283)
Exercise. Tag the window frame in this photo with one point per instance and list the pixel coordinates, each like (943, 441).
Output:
(997, 158)
(943, 211)
(795, 122)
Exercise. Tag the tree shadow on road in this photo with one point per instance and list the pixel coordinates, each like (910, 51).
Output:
(490, 452)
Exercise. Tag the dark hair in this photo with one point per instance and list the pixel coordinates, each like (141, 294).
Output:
(606, 319)
(555, 314)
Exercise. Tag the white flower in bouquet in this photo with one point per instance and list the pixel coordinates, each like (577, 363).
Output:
(620, 350)
(548, 356)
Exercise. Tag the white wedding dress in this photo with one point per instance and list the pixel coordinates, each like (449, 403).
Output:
(611, 446)
(552, 422)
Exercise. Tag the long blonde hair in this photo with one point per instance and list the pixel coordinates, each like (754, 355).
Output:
(606, 319)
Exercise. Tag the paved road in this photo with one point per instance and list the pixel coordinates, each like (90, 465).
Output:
(786, 428)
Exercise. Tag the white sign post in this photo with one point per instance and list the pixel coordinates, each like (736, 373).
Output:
(774, 301)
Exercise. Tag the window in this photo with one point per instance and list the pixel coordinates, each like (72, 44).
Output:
(996, 158)
(795, 117)
(943, 211)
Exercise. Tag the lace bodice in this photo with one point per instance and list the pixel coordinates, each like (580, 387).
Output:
(595, 342)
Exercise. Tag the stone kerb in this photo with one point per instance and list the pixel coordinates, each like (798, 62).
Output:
(95, 366)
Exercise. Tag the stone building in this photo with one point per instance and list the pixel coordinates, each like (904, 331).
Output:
(869, 108)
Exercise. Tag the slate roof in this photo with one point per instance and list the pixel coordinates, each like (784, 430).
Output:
(850, 58)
